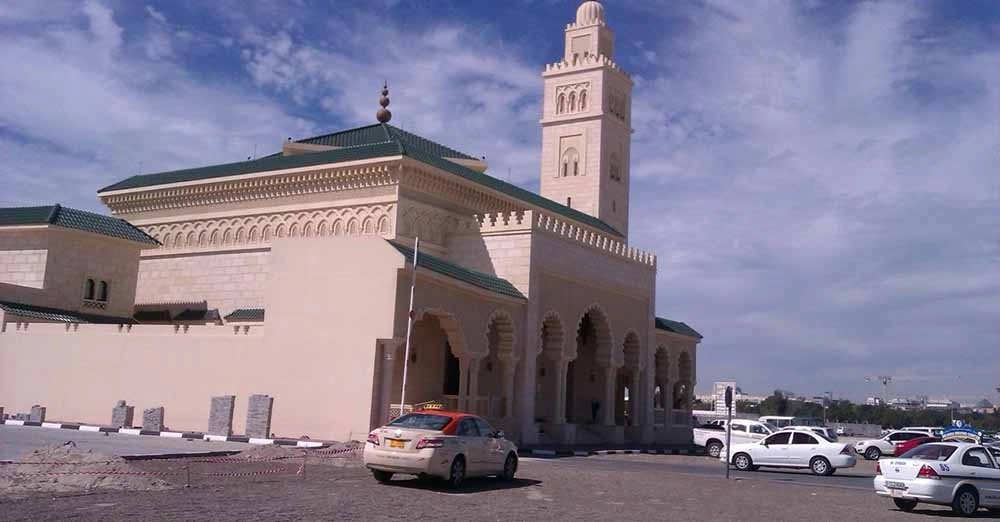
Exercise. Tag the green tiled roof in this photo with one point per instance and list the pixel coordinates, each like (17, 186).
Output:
(265, 164)
(478, 279)
(65, 217)
(368, 142)
(384, 132)
(676, 327)
(254, 315)
(62, 316)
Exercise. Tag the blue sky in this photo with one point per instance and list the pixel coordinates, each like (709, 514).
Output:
(819, 179)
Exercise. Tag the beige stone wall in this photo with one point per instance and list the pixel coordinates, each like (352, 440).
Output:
(226, 280)
(499, 245)
(47, 266)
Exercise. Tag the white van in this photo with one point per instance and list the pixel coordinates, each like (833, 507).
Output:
(777, 420)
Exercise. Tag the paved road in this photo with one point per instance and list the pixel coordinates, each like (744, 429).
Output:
(574, 489)
(858, 478)
(18, 441)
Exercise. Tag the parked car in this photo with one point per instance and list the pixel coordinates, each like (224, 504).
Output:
(958, 474)
(713, 437)
(794, 449)
(929, 430)
(822, 430)
(873, 449)
(448, 445)
(907, 445)
(841, 431)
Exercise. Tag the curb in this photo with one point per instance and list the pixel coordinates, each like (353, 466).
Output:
(588, 453)
(168, 434)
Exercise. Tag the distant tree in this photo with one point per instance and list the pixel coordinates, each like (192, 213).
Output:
(746, 407)
(699, 404)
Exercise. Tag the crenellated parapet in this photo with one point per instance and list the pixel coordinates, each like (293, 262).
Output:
(582, 62)
(528, 221)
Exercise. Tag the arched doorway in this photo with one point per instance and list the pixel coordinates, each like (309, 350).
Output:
(682, 388)
(493, 396)
(588, 376)
(433, 371)
(548, 382)
(661, 385)
(627, 407)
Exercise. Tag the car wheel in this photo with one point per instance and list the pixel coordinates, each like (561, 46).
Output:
(382, 476)
(905, 504)
(743, 462)
(509, 467)
(820, 466)
(714, 449)
(873, 453)
(456, 477)
(966, 502)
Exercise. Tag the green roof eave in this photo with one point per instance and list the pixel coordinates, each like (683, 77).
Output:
(265, 164)
(677, 327)
(71, 218)
(449, 269)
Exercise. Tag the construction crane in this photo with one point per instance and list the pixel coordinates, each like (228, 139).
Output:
(885, 380)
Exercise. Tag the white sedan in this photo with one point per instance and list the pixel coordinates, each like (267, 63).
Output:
(793, 449)
(958, 474)
(448, 445)
(873, 449)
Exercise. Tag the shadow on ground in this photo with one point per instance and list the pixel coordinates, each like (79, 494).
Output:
(474, 485)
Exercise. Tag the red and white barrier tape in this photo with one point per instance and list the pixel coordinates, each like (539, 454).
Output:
(244, 474)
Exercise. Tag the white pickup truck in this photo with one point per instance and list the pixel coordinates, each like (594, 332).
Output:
(713, 437)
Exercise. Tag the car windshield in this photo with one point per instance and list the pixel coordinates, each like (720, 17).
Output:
(930, 452)
(822, 435)
(771, 427)
(421, 421)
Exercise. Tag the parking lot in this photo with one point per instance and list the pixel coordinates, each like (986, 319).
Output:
(640, 487)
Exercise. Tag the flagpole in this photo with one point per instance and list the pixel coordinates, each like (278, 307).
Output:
(409, 327)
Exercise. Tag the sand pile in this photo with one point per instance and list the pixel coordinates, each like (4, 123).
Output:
(68, 469)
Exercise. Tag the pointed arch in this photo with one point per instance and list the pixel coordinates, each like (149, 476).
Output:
(280, 232)
(307, 231)
(293, 231)
(267, 233)
(561, 104)
(338, 228)
(241, 236)
(352, 227)
(368, 227)
(202, 237)
(572, 102)
(583, 100)
(383, 225)
(322, 230)
(214, 239)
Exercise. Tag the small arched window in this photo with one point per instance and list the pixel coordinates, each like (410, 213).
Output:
(583, 101)
(561, 104)
(565, 167)
(88, 289)
(572, 102)
(576, 166)
(102, 292)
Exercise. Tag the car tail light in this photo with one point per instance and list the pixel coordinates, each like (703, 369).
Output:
(847, 450)
(928, 472)
(430, 443)
(373, 438)
(878, 468)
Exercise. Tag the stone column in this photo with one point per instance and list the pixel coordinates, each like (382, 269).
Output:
(463, 382)
(471, 397)
(608, 408)
(152, 419)
(636, 398)
(220, 416)
(388, 371)
(507, 386)
(259, 409)
(121, 415)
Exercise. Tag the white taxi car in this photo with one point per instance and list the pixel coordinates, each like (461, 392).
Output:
(962, 475)
(433, 443)
(793, 449)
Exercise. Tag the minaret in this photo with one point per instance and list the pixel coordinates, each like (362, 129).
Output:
(586, 130)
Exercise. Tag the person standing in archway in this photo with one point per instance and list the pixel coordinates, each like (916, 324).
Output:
(595, 406)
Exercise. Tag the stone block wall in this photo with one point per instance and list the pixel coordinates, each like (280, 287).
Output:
(23, 267)
(220, 416)
(259, 416)
(226, 280)
(152, 419)
(122, 415)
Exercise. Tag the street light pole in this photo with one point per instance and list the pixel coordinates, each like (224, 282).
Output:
(409, 327)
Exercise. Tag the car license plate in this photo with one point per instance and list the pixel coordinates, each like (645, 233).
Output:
(895, 485)
(393, 443)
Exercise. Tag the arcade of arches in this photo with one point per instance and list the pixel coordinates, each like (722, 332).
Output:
(588, 389)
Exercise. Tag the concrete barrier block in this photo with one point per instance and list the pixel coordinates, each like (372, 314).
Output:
(259, 416)
(220, 416)
(152, 419)
(37, 413)
(122, 415)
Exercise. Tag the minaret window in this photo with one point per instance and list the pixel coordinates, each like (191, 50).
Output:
(561, 104)
(615, 167)
(570, 157)
(88, 289)
(583, 101)
(572, 102)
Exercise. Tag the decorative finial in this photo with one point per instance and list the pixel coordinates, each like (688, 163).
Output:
(383, 115)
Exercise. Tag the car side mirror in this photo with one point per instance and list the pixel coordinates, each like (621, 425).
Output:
(499, 434)
(764, 443)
